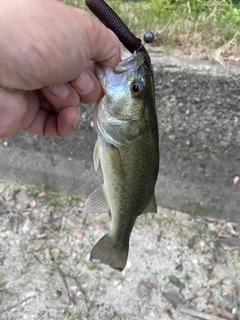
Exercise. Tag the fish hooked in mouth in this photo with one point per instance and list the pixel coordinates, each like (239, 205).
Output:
(127, 148)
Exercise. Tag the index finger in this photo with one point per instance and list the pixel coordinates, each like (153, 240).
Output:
(101, 43)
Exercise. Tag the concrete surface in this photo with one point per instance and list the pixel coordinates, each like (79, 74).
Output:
(198, 107)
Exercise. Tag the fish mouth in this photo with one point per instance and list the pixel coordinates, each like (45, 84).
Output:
(134, 61)
(100, 72)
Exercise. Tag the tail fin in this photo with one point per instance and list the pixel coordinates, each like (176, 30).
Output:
(106, 251)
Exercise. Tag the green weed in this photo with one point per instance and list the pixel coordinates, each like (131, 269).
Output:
(197, 27)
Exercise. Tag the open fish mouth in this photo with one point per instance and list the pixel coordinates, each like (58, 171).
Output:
(130, 64)
(135, 60)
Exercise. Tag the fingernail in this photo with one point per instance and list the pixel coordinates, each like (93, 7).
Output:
(76, 122)
(62, 91)
(85, 83)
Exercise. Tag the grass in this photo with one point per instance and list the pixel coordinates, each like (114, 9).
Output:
(206, 29)
(3, 290)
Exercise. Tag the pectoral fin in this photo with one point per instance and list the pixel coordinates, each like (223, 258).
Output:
(97, 201)
(96, 155)
(152, 205)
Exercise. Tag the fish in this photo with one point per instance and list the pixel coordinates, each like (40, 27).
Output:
(128, 150)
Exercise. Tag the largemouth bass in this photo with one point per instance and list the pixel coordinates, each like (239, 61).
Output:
(128, 149)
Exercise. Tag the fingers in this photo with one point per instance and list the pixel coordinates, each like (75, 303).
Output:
(52, 120)
(59, 60)
(85, 89)
(12, 110)
(48, 124)
(88, 87)
(62, 96)
(26, 111)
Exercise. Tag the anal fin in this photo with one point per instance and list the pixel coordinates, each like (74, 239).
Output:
(152, 205)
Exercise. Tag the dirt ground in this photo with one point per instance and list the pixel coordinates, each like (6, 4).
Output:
(180, 266)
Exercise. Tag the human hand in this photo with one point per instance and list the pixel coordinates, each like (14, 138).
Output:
(47, 54)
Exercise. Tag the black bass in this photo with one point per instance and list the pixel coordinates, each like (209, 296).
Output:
(128, 149)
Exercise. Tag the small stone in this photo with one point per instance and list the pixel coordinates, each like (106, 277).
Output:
(59, 293)
(36, 246)
(33, 204)
(78, 234)
(29, 293)
(55, 252)
(204, 273)
(71, 292)
(235, 180)
(128, 265)
(227, 282)
(9, 198)
(22, 197)
(173, 297)
(26, 206)
(116, 282)
(81, 203)
(143, 290)
(18, 274)
(120, 287)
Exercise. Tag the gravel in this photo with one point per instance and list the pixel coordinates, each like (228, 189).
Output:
(180, 266)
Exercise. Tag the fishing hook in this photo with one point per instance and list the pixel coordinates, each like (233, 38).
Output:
(112, 21)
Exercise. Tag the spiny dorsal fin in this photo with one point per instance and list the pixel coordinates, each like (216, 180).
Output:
(97, 201)
(152, 206)
(96, 155)
(106, 251)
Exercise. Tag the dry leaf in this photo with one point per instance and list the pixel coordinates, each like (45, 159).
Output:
(228, 289)
(228, 315)
(78, 234)
(214, 281)
(210, 309)
(40, 236)
(18, 274)
(237, 283)
(204, 273)
(173, 297)
(168, 305)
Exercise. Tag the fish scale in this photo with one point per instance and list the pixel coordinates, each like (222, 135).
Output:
(128, 150)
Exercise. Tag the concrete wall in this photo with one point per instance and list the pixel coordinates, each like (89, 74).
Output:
(198, 107)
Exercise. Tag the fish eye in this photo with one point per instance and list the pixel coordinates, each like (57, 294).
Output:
(137, 89)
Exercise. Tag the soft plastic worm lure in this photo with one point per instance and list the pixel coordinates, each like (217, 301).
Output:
(112, 21)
